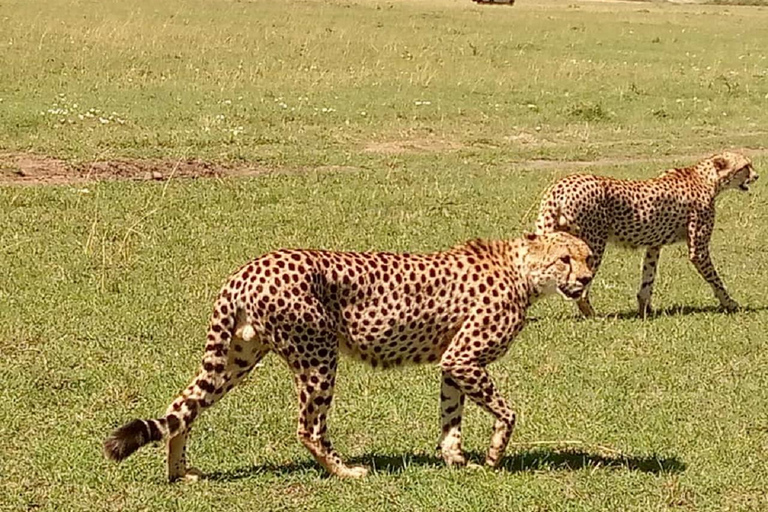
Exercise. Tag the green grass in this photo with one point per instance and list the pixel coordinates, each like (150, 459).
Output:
(105, 288)
(321, 81)
(106, 297)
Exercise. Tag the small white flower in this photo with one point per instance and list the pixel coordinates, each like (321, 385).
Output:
(103, 121)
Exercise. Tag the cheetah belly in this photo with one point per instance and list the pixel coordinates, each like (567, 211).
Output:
(648, 230)
(394, 341)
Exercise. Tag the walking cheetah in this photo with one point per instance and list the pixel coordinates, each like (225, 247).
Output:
(460, 308)
(675, 206)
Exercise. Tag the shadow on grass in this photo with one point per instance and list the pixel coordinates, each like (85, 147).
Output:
(544, 459)
(681, 310)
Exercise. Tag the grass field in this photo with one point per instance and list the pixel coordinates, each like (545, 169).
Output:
(445, 121)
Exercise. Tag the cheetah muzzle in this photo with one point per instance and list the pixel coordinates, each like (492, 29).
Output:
(460, 308)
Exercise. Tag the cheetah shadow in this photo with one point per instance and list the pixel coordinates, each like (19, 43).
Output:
(543, 459)
(682, 310)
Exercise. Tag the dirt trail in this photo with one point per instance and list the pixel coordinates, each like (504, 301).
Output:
(30, 169)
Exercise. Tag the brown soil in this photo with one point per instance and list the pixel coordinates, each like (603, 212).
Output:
(412, 146)
(30, 169)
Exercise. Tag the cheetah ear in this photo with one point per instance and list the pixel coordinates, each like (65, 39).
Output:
(721, 163)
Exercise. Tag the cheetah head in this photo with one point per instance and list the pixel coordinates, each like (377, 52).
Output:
(734, 170)
(558, 262)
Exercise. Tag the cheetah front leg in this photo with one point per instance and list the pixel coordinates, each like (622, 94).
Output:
(699, 235)
(476, 383)
(451, 409)
(315, 376)
(650, 263)
(476, 344)
(598, 248)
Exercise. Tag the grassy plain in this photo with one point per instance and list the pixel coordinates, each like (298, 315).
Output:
(440, 111)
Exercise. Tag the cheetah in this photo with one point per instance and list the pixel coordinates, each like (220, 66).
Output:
(460, 308)
(675, 206)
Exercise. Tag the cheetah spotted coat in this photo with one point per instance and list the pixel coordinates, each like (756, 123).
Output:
(678, 205)
(460, 308)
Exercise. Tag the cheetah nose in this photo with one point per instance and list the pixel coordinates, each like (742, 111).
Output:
(584, 281)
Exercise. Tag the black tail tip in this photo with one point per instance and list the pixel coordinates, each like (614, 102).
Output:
(127, 439)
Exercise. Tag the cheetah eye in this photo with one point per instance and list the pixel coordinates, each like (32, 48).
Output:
(566, 259)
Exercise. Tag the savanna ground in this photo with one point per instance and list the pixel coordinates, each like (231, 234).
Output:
(368, 124)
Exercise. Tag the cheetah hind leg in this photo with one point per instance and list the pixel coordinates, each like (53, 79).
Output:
(246, 354)
(451, 409)
(585, 306)
(176, 458)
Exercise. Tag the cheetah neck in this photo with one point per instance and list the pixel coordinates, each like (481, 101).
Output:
(517, 254)
(707, 174)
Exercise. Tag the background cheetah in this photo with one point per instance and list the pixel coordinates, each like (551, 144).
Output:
(678, 205)
(461, 308)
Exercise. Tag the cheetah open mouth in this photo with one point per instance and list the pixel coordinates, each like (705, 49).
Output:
(572, 293)
(745, 186)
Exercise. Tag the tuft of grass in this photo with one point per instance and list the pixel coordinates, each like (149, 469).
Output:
(587, 112)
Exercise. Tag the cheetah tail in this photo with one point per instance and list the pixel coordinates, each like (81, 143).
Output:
(125, 440)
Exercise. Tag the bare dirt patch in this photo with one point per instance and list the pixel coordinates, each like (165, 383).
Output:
(30, 169)
(412, 146)
(546, 165)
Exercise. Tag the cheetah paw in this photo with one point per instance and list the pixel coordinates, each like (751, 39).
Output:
(192, 475)
(453, 459)
(353, 472)
(730, 305)
(187, 475)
